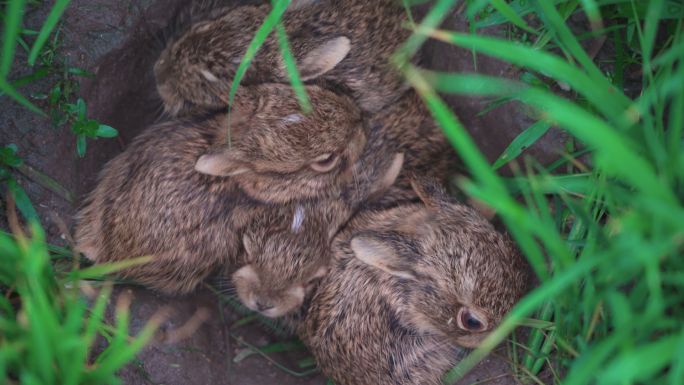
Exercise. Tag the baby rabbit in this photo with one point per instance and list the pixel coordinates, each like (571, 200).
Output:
(407, 287)
(346, 42)
(150, 200)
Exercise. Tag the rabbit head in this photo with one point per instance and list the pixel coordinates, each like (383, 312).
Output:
(196, 71)
(460, 274)
(276, 153)
(287, 250)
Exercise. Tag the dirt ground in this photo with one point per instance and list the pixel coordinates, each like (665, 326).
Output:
(114, 40)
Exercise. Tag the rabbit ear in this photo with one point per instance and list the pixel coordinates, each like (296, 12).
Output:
(323, 58)
(221, 164)
(381, 253)
(432, 194)
(247, 244)
(389, 177)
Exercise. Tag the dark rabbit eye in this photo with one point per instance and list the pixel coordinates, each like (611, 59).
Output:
(324, 163)
(469, 322)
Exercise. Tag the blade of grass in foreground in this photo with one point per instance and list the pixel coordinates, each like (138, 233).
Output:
(15, 10)
(612, 104)
(55, 13)
(269, 23)
(291, 67)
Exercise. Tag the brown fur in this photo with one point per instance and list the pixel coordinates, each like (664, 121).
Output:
(151, 201)
(408, 127)
(271, 146)
(387, 311)
(287, 248)
(216, 46)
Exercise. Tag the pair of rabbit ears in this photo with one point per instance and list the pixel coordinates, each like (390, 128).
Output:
(388, 252)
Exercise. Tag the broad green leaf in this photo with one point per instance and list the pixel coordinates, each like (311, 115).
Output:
(81, 145)
(81, 110)
(522, 142)
(106, 131)
(78, 128)
(12, 147)
(14, 161)
(91, 128)
(22, 200)
(55, 95)
(48, 26)
(4, 173)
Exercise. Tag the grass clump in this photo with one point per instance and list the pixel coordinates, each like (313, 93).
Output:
(606, 237)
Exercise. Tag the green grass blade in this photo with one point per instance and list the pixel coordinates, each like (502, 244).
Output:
(292, 71)
(512, 16)
(22, 200)
(259, 39)
(50, 23)
(601, 93)
(100, 270)
(15, 10)
(523, 141)
(6, 88)
(40, 73)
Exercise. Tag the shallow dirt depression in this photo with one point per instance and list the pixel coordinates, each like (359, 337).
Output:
(114, 39)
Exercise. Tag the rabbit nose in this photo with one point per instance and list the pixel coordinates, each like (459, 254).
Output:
(264, 305)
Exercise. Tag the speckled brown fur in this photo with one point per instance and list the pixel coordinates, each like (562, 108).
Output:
(373, 29)
(387, 311)
(408, 127)
(151, 201)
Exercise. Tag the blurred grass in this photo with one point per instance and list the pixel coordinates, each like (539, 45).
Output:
(610, 238)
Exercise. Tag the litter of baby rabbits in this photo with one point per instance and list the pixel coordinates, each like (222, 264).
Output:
(263, 193)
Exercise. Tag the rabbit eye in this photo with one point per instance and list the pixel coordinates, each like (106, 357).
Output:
(469, 322)
(325, 162)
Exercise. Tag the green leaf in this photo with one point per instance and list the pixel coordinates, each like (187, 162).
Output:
(55, 95)
(81, 145)
(15, 10)
(81, 110)
(50, 23)
(22, 200)
(4, 173)
(39, 96)
(78, 128)
(91, 127)
(77, 71)
(14, 161)
(12, 147)
(106, 131)
(522, 142)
